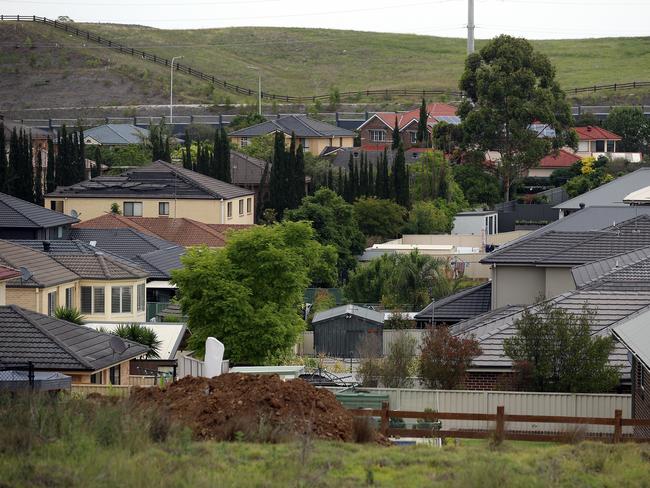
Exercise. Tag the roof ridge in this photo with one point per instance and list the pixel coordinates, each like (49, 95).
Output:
(20, 311)
(110, 126)
(299, 119)
(206, 227)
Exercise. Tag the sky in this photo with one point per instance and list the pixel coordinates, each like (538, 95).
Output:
(541, 19)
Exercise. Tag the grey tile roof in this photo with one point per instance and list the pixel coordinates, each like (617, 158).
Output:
(357, 310)
(125, 242)
(162, 262)
(460, 306)
(609, 307)
(117, 134)
(157, 180)
(245, 169)
(612, 193)
(575, 248)
(629, 266)
(301, 125)
(36, 133)
(46, 271)
(634, 334)
(53, 344)
(17, 213)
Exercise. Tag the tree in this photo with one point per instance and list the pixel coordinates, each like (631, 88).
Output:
(142, 335)
(95, 169)
(444, 359)
(245, 120)
(248, 294)
(72, 315)
(159, 139)
(21, 172)
(298, 177)
(422, 135)
(379, 218)
(429, 218)
(278, 179)
(478, 185)
(4, 167)
(335, 224)
(508, 86)
(187, 151)
(400, 178)
(398, 363)
(632, 125)
(38, 180)
(260, 147)
(555, 350)
(51, 166)
(396, 135)
(432, 178)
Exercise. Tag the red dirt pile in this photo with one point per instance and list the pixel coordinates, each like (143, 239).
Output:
(254, 405)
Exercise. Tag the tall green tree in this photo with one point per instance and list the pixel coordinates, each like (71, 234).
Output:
(21, 170)
(159, 137)
(4, 166)
(50, 183)
(95, 170)
(422, 135)
(278, 179)
(632, 125)
(298, 177)
(396, 135)
(379, 218)
(555, 350)
(508, 86)
(400, 178)
(38, 180)
(224, 154)
(478, 184)
(187, 151)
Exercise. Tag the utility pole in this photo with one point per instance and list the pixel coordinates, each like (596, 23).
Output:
(470, 26)
(171, 90)
(259, 88)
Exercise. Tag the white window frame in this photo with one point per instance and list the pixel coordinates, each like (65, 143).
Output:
(69, 297)
(243, 141)
(52, 300)
(241, 206)
(134, 206)
(229, 210)
(163, 205)
(377, 135)
(122, 302)
(249, 205)
(142, 297)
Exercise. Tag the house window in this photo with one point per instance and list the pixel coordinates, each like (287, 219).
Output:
(92, 299)
(114, 375)
(96, 378)
(59, 232)
(241, 207)
(141, 297)
(229, 211)
(121, 299)
(133, 209)
(163, 208)
(378, 135)
(243, 141)
(600, 146)
(249, 205)
(69, 298)
(51, 303)
(305, 143)
(57, 205)
(414, 136)
(611, 146)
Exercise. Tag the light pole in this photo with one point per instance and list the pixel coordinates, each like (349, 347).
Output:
(259, 88)
(171, 90)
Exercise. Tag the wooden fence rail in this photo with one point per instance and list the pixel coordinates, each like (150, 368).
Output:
(500, 432)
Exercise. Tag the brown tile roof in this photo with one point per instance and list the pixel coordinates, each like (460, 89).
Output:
(563, 159)
(593, 132)
(182, 231)
(7, 273)
(100, 267)
(45, 270)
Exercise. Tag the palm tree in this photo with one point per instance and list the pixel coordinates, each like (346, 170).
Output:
(142, 335)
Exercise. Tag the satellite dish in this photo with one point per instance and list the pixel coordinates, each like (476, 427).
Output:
(74, 213)
(25, 274)
(117, 344)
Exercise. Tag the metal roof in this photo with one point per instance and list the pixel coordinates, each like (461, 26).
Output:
(611, 193)
(634, 334)
(460, 306)
(17, 213)
(300, 125)
(117, 134)
(53, 344)
(343, 310)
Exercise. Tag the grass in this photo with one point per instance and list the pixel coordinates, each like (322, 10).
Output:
(78, 443)
(311, 61)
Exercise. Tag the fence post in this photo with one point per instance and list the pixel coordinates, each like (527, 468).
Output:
(500, 427)
(618, 426)
(384, 418)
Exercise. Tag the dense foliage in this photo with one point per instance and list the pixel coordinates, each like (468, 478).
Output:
(632, 125)
(379, 218)
(479, 186)
(142, 335)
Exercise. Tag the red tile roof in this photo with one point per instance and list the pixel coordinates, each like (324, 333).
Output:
(182, 231)
(8, 273)
(404, 119)
(593, 132)
(563, 159)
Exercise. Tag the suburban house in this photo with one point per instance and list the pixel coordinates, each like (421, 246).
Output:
(314, 135)
(455, 308)
(160, 189)
(246, 171)
(115, 135)
(610, 194)
(5, 275)
(24, 220)
(377, 131)
(481, 222)
(340, 156)
(562, 160)
(181, 231)
(595, 141)
(72, 275)
(541, 267)
(38, 137)
(87, 356)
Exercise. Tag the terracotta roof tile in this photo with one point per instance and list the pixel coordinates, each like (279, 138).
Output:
(563, 159)
(593, 132)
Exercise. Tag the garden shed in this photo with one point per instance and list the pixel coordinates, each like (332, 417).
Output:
(339, 331)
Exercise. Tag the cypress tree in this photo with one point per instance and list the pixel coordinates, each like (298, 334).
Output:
(422, 134)
(225, 156)
(51, 165)
(95, 170)
(396, 134)
(187, 151)
(215, 159)
(21, 167)
(371, 180)
(4, 169)
(81, 156)
(298, 177)
(60, 162)
(277, 185)
(339, 184)
(330, 179)
(38, 180)
(400, 182)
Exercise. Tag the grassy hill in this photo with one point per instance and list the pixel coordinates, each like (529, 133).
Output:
(293, 61)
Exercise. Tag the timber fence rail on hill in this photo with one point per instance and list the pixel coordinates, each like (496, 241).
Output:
(500, 431)
(70, 28)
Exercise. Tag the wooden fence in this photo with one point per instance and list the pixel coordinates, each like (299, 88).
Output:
(500, 419)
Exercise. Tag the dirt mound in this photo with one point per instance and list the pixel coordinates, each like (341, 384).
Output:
(253, 405)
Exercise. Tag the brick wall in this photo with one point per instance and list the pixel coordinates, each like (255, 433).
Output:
(479, 380)
(640, 396)
(375, 124)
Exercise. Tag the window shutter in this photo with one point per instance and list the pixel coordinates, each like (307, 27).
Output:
(99, 299)
(86, 299)
(115, 299)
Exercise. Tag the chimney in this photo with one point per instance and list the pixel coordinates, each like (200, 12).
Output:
(46, 246)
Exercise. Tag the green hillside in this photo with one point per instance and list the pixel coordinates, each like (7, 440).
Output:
(293, 61)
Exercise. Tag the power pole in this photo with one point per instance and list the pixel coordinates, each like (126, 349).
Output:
(470, 26)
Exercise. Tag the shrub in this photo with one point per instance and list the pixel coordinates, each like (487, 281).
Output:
(396, 367)
(445, 358)
(363, 430)
(69, 314)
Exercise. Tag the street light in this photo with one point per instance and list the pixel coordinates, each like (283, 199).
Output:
(171, 90)
(259, 88)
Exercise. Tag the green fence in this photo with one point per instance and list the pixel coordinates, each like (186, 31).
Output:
(154, 308)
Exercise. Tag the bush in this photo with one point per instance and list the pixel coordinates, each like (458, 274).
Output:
(363, 430)
(396, 367)
(445, 359)
(69, 315)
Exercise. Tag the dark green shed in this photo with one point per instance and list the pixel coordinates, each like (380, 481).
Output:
(339, 331)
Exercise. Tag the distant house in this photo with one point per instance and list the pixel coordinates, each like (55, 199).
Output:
(485, 222)
(377, 131)
(610, 194)
(340, 156)
(314, 135)
(115, 135)
(160, 189)
(562, 160)
(55, 345)
(24, 220)
(72, 275)
(38, 137)
(465, 304)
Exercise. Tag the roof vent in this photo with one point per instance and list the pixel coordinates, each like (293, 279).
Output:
(46, 246)
(93, 243)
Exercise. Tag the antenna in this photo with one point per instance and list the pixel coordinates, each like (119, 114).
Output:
(117, 344)
(25, 274)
